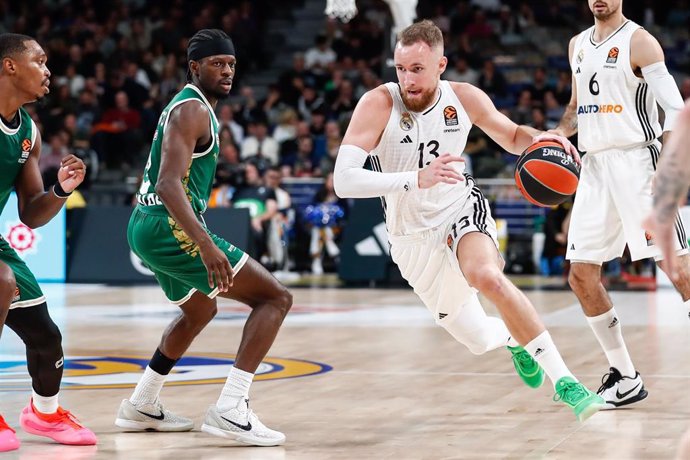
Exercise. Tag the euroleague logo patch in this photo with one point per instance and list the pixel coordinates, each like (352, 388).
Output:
(124, 371)
(450, 116)
(613, 56)
(26, 150)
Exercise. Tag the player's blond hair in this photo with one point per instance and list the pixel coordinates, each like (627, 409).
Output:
(423, 31)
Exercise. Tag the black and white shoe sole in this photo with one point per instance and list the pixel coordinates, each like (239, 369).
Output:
(616, 404)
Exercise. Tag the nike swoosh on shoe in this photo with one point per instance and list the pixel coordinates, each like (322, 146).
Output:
(623, 395)
(161, 416)
(247, 427)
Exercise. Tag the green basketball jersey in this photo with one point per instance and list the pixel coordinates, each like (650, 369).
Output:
(15, 146)
(198, 181)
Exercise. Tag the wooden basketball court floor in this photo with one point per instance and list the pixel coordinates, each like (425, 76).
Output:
(359, 374)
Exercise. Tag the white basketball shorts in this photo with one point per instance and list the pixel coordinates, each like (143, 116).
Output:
(427, 259)
(613, 198)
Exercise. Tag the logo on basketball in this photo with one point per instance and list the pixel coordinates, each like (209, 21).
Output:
(450, 116)
(22, 238)
(123, 371)
(406, 122)
(613, 56)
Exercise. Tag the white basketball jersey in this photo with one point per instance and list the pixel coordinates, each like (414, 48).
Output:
(615, 108)
(410, 141)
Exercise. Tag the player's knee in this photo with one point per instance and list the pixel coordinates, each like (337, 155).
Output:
(8, 287)
(478, 341)
(52, 337)
(578, 278)
(45, 338)
(485, 279)
(283, 301)
(205, 315)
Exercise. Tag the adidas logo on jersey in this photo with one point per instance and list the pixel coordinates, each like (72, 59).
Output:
(406, 140)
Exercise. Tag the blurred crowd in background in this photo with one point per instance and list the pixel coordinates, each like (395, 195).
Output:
(116, 64)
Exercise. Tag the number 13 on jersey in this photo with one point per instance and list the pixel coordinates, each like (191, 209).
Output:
(431, 152)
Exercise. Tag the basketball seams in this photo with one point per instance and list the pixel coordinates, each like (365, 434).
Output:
(546, 186)
(573, 177)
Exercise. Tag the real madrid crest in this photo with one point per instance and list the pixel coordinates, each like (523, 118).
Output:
(580, 56)
(406, 121)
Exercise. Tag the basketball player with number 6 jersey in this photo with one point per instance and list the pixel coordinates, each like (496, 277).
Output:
(442, 235)
(619, 76)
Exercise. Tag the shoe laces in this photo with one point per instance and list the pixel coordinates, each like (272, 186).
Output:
(4, 426)
(63, 416)
(523, 359)
(609, 380)
(570, 392)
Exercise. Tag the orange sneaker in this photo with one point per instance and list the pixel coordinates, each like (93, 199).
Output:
(61, 426)
(8, 438)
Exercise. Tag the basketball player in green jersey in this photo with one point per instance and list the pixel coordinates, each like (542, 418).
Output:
(24, 78)
(193, 265)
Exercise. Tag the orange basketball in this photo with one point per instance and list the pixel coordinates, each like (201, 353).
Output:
(546, 175)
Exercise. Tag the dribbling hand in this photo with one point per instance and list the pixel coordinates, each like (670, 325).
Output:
(440, 170)
(567, 145)
(71, 173)
(217, 267)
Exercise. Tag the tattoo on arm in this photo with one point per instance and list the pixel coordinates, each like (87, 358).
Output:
(670, 186)
(568, 124)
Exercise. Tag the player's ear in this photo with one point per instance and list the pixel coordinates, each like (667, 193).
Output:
(442, 64)
(8, 66)
(194, 67)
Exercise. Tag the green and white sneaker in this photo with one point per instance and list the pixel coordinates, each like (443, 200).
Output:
(575, 395)
(526, 367)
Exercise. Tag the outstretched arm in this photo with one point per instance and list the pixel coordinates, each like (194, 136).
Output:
(512, 137)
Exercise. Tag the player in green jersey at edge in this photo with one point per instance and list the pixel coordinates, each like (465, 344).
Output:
(25, 78)
(193, 265)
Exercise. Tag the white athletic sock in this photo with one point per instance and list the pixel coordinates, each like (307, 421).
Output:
(544, 351)
(607, 329)
(45, 404)
(687, 307)
(236, 387)
(512, 343)
(148, 388)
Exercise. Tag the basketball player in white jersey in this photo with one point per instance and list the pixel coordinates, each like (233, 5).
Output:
(619, 76)
(442, 235)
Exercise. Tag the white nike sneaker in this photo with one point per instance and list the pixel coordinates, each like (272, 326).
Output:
(150, 417)
(618, 390)
(240, 424)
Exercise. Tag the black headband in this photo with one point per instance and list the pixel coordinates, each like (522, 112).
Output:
(201, 49)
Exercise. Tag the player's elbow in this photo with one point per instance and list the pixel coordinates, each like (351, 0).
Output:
(163, 188)
(340, 188)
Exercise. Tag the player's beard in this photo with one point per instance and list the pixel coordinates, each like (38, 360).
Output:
(420, 103)
(605, 15)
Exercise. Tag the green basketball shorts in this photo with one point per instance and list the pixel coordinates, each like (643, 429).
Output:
(28, 292)
(172, 256)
